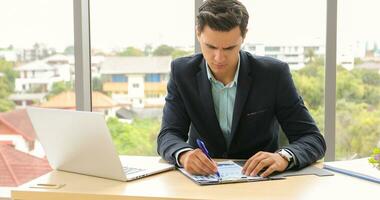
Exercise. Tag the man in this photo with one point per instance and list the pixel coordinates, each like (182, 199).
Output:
(234, 102)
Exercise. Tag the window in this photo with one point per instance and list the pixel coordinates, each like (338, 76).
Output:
(358, 79)
(119, 78)
(36, 69)
(135, 85)
(138, 39)
(152, 78)
(277, 32)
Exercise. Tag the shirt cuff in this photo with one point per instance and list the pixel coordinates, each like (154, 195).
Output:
(295, 162)
(176, 154)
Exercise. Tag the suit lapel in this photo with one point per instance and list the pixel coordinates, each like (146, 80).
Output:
(205, 95)
(243, 88)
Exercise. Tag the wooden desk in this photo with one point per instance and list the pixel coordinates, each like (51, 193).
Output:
(174, 185)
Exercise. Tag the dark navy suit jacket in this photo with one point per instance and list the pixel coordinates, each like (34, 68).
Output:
(265, 98)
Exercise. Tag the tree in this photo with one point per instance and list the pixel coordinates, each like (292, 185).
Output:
(59, 87)
(358, 106)
(7, 79)
(137, 138)
(163, 50)
(97, 84)
(180, 53)
(309, 55)
(10, 74)
(131, 51)
(69, 50)
(148, 50)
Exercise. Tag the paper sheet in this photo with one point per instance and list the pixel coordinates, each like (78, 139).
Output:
(229, 172)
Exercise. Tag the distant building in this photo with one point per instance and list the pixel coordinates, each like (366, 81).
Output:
(139, 82)
(37, 52)
(66, 100)
(10, 55)
(296, 54)
(370, 65)
(17, 167)
(22, 100)
(39, 76)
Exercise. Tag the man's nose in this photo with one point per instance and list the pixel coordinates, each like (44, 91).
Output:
(219, 56)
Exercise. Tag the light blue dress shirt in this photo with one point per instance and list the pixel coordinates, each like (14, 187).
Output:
(224, 101)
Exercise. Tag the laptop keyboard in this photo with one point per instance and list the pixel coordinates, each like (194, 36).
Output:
(131, 170)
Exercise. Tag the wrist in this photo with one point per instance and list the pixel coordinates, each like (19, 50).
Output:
(286, 156)
(182, 157)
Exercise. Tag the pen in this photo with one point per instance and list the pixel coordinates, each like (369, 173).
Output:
(202, 146)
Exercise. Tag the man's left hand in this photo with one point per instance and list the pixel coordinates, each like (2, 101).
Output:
(271, 161)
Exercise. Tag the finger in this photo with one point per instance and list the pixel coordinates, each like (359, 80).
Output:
(248, 162)
(202, 167)
(269, 171)
(254, 164)
(262, 164)
(209, 164)
(192, 168)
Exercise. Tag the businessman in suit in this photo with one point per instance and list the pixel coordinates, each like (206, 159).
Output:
(234, 102)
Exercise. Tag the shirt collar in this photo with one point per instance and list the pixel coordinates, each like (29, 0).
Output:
(212, 78)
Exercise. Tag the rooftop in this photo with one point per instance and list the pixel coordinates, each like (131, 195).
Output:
(17, 122)
(17, 167)
(66, 100)
(136, 65)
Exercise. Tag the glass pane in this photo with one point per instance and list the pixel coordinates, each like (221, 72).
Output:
(133, 43)
(292, 31)
(36, 69)
(358, 79)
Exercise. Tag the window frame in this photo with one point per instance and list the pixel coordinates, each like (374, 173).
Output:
(82, 45)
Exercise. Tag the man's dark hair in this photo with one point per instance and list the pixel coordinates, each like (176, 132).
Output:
(223, 15)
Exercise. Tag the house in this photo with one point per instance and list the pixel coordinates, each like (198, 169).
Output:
(139, 82)
(39, 76)
(17, 167)
(66, 100)
(16, 130)
(296, 53)
(22, 100)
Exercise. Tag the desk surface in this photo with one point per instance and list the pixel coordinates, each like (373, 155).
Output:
(174, 185)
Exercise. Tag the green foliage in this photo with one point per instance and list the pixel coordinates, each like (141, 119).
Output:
(6, 85)
(163, 50)
(10, 74)
(180, 53)
(357, 110)
(136, 138)
(375, 158)
(69, 50)
(59, 87)
(6, 105)
(131, 51)
(97, 84)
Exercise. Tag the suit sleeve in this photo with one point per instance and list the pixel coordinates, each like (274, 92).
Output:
(305, 140)
(175, 122)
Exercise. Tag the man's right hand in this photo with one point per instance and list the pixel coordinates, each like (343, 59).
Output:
(197, 163)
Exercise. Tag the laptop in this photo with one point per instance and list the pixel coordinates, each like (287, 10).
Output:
(80, 142)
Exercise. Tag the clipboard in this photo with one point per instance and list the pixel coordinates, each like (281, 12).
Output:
(230, 172)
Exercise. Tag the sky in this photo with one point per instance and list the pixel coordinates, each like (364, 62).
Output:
(117, 24)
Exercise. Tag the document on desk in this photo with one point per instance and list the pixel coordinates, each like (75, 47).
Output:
(359, 168)
(230, 172)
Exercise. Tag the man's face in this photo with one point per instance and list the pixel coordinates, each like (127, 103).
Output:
(221, 50)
